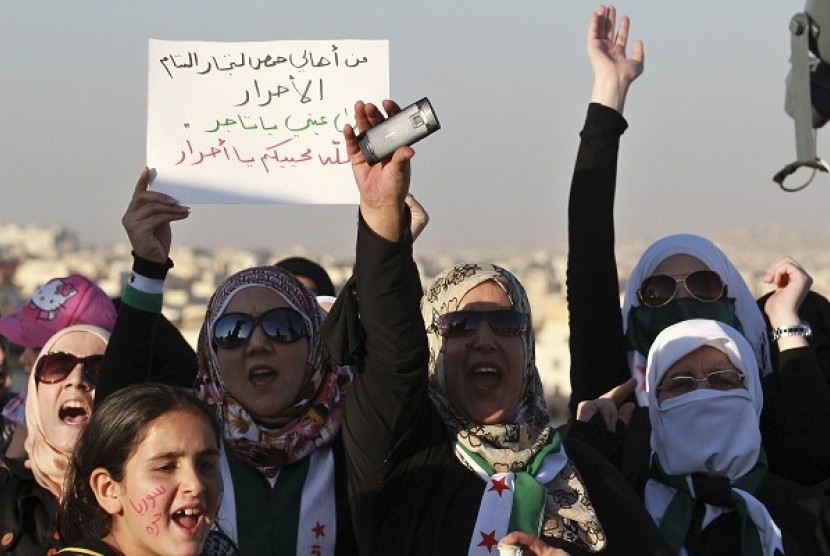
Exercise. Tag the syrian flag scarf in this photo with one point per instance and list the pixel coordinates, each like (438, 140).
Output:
(531, 484)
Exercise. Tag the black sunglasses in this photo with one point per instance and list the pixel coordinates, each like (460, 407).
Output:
(283, 324)
(504, 322)
(55, 367)
(703, 285)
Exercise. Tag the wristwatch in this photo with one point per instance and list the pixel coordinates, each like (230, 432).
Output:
(801, 329)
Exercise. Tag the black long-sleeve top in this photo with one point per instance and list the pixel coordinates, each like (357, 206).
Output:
(796, 417)
(410, 493)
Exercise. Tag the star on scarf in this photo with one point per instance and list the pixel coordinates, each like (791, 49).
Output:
(488, 540)
(499, 485)
(319, 530)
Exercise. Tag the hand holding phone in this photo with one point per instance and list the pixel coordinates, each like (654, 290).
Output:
(407, 127)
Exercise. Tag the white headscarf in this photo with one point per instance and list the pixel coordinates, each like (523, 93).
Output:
(712, 432)
(48, 462)
(746, 309)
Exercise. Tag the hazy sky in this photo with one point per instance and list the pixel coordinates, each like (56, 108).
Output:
(510, 83)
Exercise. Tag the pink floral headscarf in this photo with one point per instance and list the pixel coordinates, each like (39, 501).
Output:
(314, 417)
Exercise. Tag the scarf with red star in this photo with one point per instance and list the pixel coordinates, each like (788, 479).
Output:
(506, 452)
(548, 499)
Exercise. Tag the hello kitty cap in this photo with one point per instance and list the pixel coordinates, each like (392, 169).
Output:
(61, 302)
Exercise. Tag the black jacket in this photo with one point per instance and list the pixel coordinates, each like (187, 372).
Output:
(27, 512)
(796, 417)
(410, 492)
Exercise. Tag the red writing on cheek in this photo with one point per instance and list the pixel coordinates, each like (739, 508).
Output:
(148, 501)
(153, 528)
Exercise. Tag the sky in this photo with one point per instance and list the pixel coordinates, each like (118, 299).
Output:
(510, 82)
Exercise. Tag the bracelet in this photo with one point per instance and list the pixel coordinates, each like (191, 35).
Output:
(151, 269)
(801, 329)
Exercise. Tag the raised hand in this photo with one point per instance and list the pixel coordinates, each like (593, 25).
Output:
(384, 186)
(419, 216)
(147, 220)
(611, 405)
(791, 283)
(614, 71)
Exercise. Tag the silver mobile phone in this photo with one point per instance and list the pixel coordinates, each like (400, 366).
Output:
(407, 127)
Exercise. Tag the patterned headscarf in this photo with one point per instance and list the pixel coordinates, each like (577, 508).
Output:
(314, 417)
(48, 462)
(747, 311)
(509, 446)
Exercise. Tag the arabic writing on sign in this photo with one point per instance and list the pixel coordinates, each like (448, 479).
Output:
(278, 155)
(258, 120)
(174, 61)
(290, 122)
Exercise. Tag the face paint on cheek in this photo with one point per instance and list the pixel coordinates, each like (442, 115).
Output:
(148, 501)
(153, 528)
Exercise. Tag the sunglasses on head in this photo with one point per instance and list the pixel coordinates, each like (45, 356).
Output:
(505, 322)
(55, 367)
(703, 285)
(283, 324)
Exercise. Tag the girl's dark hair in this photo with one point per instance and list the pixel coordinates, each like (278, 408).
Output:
(112, 435)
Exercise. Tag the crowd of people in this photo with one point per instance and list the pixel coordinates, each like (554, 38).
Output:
(395, 418)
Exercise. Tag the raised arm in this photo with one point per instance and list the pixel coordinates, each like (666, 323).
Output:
(393, 376)
(145, 346)
(596, 340)
(796, 394)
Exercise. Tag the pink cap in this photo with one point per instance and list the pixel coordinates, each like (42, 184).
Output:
(60, 303)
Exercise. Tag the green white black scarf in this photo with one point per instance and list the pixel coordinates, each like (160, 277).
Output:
(509, 456)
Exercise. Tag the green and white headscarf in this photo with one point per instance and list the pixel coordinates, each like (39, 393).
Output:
(533, 486)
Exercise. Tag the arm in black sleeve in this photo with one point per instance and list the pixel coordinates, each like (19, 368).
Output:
(144, 346)
(596, 335)
(393, 375)
(795, 421)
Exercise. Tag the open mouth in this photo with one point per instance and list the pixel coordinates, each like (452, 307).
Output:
(262, 375)
(485, 379)
(188, 518)
(74, 412)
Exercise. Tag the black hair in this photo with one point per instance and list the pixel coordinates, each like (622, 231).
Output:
(300, 266)
(111, 437)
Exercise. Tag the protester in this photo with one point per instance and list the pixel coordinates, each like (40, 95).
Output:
(446, 432)
(61, 390)
(61, 302)
(679, 277)
(144, 477)
(261, 368)
(708, 487)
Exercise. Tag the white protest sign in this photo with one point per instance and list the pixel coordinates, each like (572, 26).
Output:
(258, 122)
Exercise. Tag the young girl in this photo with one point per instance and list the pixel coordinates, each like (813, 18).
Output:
(262, 368)
(144, 477)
